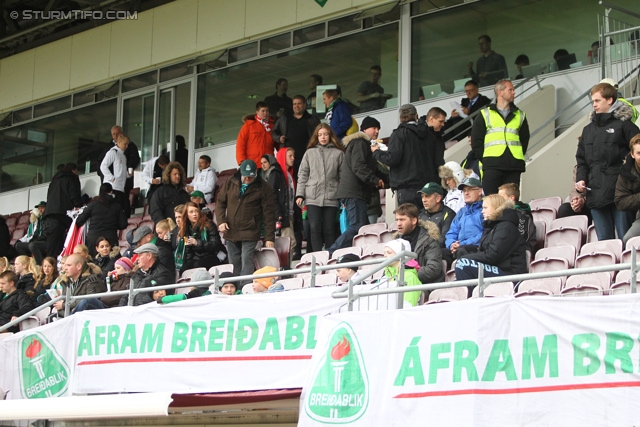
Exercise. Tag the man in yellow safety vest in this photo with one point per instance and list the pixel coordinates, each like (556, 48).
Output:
(499, 139)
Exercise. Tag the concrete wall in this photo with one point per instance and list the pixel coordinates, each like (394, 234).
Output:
(166, 34)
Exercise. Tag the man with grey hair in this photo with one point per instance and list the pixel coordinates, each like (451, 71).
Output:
(499, 139)
(150, 273)
(408, 157)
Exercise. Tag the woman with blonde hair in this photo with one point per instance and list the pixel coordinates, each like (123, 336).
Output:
(4, 264)
(502, 248)
(28, 273)
(318, 180)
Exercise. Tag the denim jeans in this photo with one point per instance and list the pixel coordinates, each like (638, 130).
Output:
(357, 214)
(89, 304)
(241, 256)
(609, 220)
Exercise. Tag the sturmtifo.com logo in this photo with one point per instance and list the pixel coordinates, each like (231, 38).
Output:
(340, 390)
(43, 372)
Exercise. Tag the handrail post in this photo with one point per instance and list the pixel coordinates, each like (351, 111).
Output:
(633, 270)
(67, 301)
(481, 280)
(401, 283)
(313, 272)
(350, 295)
(130, 303)
(216, 280)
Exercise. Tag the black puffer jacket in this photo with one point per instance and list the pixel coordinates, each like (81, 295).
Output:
(408, 157)
(442, 219)
(601, 151)
(108, 262)
(425, 242)
(501, 244)
(106, 218)
(167, 197)
(16, 303)
(212, 246)
(358, 179)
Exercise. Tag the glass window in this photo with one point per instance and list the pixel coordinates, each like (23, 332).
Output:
(31, 152)
(309, 34)
(51, 107)
(275, 43)
(84, 97)
(242, 53)
(445, 43)
(226, 95)
(23, 114)
(140, 81)
(175, 71)
(343, 25)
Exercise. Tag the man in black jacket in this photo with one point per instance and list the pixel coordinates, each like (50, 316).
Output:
(358, 179)
(295, 130)
(407, 156)
(151, 273)
(63, 195)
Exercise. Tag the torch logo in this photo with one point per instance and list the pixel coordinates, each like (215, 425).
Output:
(44, 372)
(340, 390)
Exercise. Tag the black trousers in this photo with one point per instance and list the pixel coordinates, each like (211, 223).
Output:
(322, 222)
(57, 228)
(494, 178)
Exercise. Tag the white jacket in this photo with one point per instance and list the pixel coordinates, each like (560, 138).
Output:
(115, 157)
(147, 172)
(205, 180)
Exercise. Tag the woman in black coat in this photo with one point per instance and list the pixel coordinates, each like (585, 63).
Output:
(202, 244)
(106, 255)
(106, 219)
(502, 249)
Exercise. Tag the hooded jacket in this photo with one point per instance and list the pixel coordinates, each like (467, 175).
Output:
(466, 227)
(63, 194)
(601, 151)
(502, 245)
(340, 117)
(627, 196)
(425, 243)
(254, 140)
(442, 219)
(408, 156)
(278, 182)
(16, 304)
(108, 262)
(106, 217)
(319, 175)
(88, 283)
(168, 196)
(526, 225)
(358, 179)
(506, 161)
(244, 214)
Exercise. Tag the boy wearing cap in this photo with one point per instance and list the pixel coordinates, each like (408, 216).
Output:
(244, 202)
(466, 229)
(438, 213)
(347, 273)
(358, 179)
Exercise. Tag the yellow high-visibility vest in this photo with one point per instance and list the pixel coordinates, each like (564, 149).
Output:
(501, 135)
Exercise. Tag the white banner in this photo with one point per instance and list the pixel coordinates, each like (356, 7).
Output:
(482, 362)
(208, 344)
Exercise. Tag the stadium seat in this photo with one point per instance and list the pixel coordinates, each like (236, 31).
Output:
(366, 239)
(266, 257)
(450, 275)
(592, 236)
(494, 290)
(387, 236)
(123, 233)
(544, 214)
(577, 221)
(221, 269)
(23, 221)
(565, 252)
(283, 248)
(376, 228)
(327, 279)
(322, 258)
(539, 287)
(613, 246)
(622, 284)
(587, 284)
(289, 284)
(448, 294)
(564, 236)
(188, 273)
(541, 231)
(16, 234)
(148, 223)
(553, 202)
(356, 250)
(549, 264)
(393, 226)
(12, 221)
(596, 259)
(134, 220)
(373, 251)
(29, 323)
(626, 255)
